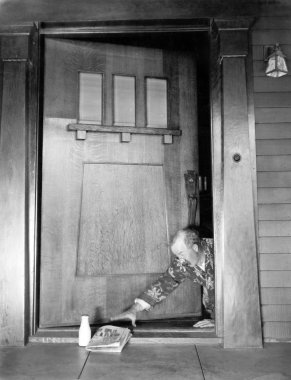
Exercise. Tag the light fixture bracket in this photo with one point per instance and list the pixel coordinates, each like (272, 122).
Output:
(276, 62)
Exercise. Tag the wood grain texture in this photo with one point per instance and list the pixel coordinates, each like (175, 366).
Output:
(258, 52)
(217, 176)
(275, 244)
(275, 228)
(276, 195)
(275, 212)
(280, 261)
(273, 131)
(274, 179)
(270, 37)
(240, 273)
(184, 297)
(131, 199)
(124, 129)
(267, 84)
(275, 279)
(277, 330)
(33, 191)
(273, 147)
(111, 196)
(280, 163)
(273, 100)
(276, 296)
(273, 115)
(12, 204)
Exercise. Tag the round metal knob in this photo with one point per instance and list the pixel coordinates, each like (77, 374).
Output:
(236, 157)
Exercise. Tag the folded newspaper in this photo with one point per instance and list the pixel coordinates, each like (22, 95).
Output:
(109, 339)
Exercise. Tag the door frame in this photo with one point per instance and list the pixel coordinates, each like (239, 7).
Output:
(225, 41)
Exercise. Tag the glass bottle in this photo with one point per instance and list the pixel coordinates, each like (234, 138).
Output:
(84, 331)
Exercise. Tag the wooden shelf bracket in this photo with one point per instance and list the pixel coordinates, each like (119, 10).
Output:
(125, 131)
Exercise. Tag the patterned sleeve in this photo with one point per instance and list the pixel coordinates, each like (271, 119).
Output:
(166, 283)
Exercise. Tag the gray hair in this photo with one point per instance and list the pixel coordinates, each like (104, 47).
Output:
(191, 236)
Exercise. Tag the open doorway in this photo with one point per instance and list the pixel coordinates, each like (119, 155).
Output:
(91, 178)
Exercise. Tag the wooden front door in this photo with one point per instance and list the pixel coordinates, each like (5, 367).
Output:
(110, 208)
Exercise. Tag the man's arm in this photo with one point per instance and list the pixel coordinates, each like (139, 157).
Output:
(166, 283)
(157, 292)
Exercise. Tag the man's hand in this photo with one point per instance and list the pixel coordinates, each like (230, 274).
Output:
(129, 314)
(205, 323)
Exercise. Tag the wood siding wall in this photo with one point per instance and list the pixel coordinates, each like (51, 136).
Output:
(272, 100)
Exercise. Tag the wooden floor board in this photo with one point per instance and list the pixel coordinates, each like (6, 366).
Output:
(271, 363)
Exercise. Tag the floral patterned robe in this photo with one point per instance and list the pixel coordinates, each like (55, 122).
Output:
(179, 271)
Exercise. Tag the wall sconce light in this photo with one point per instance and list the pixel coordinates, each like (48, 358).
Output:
(276, 62)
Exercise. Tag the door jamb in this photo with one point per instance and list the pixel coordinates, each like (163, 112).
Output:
(120, 27)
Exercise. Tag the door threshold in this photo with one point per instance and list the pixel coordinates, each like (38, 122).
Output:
(142, 334)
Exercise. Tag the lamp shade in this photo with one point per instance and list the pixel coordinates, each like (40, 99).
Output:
(276, 63)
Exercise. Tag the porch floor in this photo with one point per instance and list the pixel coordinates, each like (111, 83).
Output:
(146, 362)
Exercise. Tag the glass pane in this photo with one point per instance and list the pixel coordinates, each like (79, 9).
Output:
(124, 100)
(156, 102)
(90, 98)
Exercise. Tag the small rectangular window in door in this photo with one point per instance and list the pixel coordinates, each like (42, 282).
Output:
(124, 100)
(90, 98)
(156, 103)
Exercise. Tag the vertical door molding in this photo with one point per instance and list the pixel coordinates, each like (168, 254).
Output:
(17, 167)
(239, 319)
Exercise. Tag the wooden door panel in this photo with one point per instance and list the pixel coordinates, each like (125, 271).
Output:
(123, 226)
(109, 209)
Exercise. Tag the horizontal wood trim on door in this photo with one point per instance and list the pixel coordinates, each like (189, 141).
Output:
(281, 261)
(273, 147)
(270, 37)
(266, 84)
(275, 279)
(277, 330)
(274, 179)
(275, 244)
(273, 115)
(276, 296)
(124, 129)
(276, 313)
(273, 163)
(274, 228)
(272, 99)
(273, 131)
(274, 212)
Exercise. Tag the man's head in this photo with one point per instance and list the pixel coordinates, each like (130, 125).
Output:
(185, 245)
